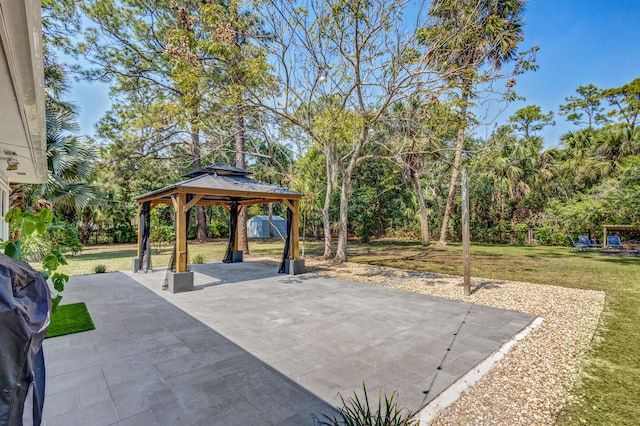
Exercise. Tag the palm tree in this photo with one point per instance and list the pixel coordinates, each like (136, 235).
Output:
(468, 36)
(70, 160)
(582, 159)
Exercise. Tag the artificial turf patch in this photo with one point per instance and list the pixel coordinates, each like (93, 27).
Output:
(69, 319)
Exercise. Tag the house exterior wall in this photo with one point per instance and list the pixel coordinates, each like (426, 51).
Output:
(22, 95)
(4, 207)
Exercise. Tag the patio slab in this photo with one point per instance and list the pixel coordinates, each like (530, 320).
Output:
(249, 346)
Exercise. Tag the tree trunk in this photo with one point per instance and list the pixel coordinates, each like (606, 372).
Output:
(16, 196)
(345, 193)
(326, 224)
(424, 220)
(448, 211)
(343, 227)
(331, 181)
(195, 151)
(243, 242)
(345, 196)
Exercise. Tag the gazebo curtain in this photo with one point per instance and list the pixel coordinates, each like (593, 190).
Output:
(287, 243)
(233, 229)
(145, 241)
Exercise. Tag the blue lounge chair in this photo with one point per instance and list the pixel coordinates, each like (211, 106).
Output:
(613, 241)
(583, 239)
(576, 246)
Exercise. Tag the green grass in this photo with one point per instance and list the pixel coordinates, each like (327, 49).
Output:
(69, 319)
(609, 387)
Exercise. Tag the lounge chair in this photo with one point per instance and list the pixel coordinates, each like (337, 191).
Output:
(613, 241)
(583, 239)
(576, 246)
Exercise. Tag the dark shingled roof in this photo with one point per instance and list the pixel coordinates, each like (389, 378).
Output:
(219, 169)
(221, 182)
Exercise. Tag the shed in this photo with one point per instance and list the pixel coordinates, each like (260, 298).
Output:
(258, 227)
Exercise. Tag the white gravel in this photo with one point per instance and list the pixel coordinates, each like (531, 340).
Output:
(531, 384)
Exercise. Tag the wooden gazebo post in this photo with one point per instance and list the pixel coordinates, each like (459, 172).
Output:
(179, 202)
(139, 233)
(295, 237)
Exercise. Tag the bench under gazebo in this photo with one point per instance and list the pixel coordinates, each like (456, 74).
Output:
(216, 185)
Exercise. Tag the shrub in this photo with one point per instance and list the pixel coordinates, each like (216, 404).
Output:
(65, 236)
(522, 232)
(198, 259)
(355, 411)
(544, 236)
(100, 269)
(559, 239)
(57, 234)
(122, 232)
(192, 233)
(218, 228)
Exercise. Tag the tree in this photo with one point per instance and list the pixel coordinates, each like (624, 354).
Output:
(470, 41)
(412, 136)
(530, 119)
(245, 66)
(588, 102)
(366, 53)
(142, 51)
(70, 160)
(625, 103)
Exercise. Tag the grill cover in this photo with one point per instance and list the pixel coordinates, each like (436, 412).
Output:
(25, 304)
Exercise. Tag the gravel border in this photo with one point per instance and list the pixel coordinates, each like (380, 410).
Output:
(531, 384)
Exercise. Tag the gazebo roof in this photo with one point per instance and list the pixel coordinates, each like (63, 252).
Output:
(219, 169)
(221, 184)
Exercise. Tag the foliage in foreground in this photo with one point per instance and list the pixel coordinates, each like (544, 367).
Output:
(25, 224)
(358, 412)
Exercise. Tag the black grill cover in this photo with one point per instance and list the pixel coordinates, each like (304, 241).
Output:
(25, 304)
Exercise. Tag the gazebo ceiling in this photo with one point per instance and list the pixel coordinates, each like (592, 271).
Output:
(221, 184)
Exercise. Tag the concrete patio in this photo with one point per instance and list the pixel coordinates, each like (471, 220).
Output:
(251, 347)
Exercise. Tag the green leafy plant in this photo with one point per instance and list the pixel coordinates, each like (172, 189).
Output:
(160, 235)
(65, 236)
(23, 224)
(521, 231)
(122, 232)
(198, 259)
(544, 236)
(218, 228)
(100, 269)
(358, 412)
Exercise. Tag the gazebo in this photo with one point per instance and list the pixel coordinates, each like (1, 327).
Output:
(216, 185)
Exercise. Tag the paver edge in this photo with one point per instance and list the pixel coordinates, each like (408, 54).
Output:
(453, 392)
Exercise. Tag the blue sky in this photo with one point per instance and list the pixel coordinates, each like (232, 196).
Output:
(581, 42)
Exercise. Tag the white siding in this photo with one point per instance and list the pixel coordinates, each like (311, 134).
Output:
(4, 207)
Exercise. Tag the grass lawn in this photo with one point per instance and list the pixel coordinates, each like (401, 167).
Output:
(69, 319)
(610, 385)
